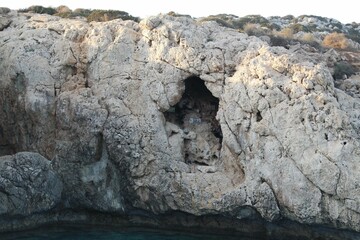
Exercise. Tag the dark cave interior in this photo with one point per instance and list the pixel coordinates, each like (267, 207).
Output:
(196, 112)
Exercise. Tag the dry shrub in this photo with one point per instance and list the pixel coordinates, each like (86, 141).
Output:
(286, 33)
(336, 40)
(254, 29)
(63, 9)
(308, 37)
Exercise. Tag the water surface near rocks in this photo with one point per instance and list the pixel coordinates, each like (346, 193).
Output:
(97, 233)
(92, 232)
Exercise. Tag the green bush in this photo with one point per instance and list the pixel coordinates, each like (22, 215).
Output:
(73, 14)
(256, 19)
(343, 68)
(353, 34)
(337, 24)
(39, 9)
(253, 29)
(288, 17)
(232, 21)
(322, 19)
(312, 28)
(174, 14)
(312, 43)
(90, 15)
(81, 12)
(286, 42)
(297, 27)
(108, 15)
(275, 27)
(221, 21)
(280, 41)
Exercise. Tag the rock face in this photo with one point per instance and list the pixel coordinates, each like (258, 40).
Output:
(175, 115)
(28, 185)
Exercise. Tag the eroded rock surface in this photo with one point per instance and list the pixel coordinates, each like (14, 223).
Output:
(28, 185)
(114, 105)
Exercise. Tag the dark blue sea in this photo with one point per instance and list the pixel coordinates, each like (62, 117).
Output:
(113, 233)
(73, 233)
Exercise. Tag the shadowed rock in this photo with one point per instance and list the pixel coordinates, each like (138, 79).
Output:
(28, 185)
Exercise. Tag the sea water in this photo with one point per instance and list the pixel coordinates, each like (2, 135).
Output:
(91, 233)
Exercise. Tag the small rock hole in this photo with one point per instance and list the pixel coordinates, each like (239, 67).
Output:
(258, 116)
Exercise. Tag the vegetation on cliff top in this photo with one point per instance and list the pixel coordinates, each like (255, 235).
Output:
(318, 33)
(90, 15)
(306, 28)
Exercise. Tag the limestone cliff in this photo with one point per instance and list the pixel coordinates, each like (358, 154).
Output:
(176, 115)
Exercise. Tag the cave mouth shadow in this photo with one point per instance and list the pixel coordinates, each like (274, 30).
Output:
(196, 113)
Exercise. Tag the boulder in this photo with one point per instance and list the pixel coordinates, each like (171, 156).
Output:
(28, 185)
(4, 10)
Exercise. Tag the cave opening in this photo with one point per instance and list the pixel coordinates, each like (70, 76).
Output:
(195, 115)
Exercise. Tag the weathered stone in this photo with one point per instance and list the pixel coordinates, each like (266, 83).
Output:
(4, 23)
(4, 10)
(112, 105)
(28, 185)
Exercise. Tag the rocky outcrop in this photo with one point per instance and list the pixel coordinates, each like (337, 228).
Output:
(28, 185)
(175, 115)
(4, 21)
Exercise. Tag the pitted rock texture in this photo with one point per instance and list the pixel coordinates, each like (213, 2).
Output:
(28, 185)
(276, 139)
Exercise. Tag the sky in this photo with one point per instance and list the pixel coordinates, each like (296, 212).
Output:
(345, 11)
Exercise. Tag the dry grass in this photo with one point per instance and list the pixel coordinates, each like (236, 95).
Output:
(308, 37)
(286, 33)
(254, 29)
(336, 40)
